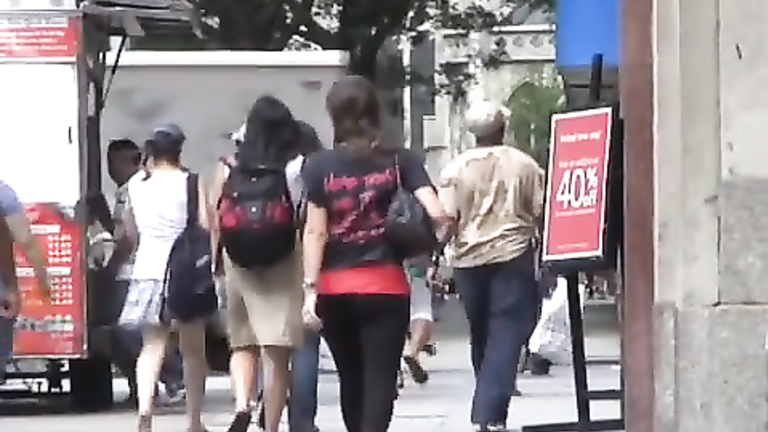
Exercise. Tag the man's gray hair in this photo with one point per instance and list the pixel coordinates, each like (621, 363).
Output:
(482, 116)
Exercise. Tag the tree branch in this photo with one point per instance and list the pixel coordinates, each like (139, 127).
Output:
(305, 25)
(366, 55)
(314, 32)
(392, 23)
(299, 12)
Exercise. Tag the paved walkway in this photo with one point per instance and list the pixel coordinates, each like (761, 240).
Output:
(440, 406)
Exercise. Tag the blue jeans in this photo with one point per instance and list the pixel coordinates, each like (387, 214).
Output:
(500, 301)
(302, 406)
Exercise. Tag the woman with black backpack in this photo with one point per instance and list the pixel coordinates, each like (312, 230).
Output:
(355, 285)
(163, 204)
(258, 197)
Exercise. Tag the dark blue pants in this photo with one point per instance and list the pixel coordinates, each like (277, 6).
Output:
(302, 405)
(500, 302)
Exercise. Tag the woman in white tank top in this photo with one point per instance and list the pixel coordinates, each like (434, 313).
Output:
(156, 216)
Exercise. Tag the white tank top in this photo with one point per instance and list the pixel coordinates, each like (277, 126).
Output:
(159, 205)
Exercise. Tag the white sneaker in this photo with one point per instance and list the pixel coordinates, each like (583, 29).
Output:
(490, 428)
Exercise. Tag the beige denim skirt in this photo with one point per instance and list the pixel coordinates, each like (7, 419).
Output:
(264, 305)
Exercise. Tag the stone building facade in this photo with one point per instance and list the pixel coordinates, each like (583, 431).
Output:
(528, 48)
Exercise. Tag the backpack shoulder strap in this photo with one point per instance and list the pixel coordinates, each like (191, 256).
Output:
(193, 199)
(228, 161)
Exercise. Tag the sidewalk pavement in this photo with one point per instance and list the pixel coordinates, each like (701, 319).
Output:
(440, 406)
(443, 404)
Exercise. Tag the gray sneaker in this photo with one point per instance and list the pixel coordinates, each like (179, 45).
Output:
(177, 395)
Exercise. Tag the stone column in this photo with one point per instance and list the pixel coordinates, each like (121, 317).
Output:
(711, 224)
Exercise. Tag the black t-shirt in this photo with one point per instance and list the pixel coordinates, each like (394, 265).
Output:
(356, 192)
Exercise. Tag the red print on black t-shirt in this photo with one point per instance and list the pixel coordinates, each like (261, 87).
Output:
(354, 216)
(356, 193)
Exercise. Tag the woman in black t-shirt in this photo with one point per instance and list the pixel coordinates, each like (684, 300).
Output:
(354, 282)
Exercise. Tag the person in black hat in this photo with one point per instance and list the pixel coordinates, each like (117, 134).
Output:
(156, 215)
(124, 161)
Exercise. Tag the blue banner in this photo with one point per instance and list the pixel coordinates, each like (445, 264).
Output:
(586, 28)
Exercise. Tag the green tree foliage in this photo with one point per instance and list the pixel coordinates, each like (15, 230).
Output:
(532, 105)
(360, 27)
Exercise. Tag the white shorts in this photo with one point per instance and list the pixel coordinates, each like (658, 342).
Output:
(421, 300)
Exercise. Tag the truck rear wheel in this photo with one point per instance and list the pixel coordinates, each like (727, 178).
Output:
(91, 384)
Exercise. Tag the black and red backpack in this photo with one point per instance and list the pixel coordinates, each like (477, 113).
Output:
(257, 218)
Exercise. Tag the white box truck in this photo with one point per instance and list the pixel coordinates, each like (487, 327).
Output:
(52, 82)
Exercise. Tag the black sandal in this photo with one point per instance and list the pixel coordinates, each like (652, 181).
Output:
(419, 375)
(241, 422)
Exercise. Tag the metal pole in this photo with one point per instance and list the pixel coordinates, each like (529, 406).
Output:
(596, 79)
(406, 48)
(578, 354)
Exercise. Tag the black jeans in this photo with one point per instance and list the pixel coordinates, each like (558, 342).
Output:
(365, 334)
(500, 301)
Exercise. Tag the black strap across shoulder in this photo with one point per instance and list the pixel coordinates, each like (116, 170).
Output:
(193, 199)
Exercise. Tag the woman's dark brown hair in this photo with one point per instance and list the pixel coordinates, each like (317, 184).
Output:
(356, 114)
(271, 135)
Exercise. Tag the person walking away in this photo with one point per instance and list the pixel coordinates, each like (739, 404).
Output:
(15, 230)
(155, 217)
(257, 200)
(124, 161)
(355, 285)
(302, 403)
(496, 193)
(257, 393)
(420, 328)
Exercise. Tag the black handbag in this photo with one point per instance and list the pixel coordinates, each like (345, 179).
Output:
(408, 228)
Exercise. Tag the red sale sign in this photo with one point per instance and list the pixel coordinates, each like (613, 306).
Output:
(38, 38)
(575, 212)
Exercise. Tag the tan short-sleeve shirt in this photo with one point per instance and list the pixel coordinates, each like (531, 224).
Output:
(497, 195)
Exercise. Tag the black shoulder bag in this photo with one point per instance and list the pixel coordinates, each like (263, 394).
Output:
(190, 291)
(408, 228)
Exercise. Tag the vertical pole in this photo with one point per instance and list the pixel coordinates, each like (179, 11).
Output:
(596, 79)
(574, 296)
(406, 49)
(578, 354)
(620, 300)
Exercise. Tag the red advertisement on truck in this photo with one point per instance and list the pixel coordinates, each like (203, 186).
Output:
(41, 161)
(52, 327)
(38, 38)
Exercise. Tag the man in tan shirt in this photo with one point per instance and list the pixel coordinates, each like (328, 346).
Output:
(496, 194)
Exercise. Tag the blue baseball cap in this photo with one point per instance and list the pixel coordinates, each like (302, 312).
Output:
(168, 132)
